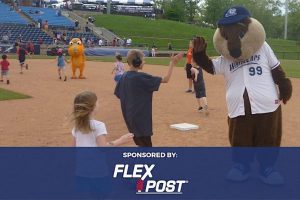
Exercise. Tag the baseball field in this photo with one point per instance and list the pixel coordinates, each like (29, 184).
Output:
(44, 119)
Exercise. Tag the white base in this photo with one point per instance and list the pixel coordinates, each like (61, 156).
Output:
(184, 126)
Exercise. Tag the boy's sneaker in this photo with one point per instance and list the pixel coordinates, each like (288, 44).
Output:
(65, 78)
(203, 109)
(271, 177)
(26, 66)
(7, 82)
(1, 80)
(189, 91)
(238, 173)
(60, 78)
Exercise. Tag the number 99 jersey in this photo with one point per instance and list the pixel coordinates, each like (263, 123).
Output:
(254, 75)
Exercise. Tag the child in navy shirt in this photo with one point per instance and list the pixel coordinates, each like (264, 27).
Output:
(135, 90)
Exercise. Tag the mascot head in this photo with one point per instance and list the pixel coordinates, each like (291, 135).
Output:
(238, 36)
(76, 47)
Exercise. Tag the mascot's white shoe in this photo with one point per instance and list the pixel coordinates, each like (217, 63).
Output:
(271, 177)
(238, 173)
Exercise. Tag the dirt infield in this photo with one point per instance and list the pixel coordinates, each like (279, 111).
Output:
(44, 120)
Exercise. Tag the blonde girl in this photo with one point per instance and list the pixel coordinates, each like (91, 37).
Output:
(89, 132)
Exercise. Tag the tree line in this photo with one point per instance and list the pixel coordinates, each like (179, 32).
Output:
(206, 13)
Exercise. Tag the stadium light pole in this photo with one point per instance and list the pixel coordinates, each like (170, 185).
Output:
(108, 7)
(286, 19)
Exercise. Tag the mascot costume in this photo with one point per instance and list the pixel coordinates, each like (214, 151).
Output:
(76, 52)
(255, 87)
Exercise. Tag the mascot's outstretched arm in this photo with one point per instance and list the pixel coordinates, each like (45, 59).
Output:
(284, 84)
(200, 56)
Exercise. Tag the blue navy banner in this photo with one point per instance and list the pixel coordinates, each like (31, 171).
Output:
(151, 173)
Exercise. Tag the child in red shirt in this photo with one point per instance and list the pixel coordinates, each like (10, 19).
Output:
(21, 52)
(4, 68)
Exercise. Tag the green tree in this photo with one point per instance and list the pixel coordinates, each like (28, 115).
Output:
(174, 10)
(214, 10)
(192, 9)
(293, 20)
(264, 11)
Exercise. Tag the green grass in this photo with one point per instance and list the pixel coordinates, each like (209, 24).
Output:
(10, 95)
(161, 32)
(145, 31)
(291, 67)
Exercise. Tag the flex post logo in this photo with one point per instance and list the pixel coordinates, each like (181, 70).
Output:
(146, 184)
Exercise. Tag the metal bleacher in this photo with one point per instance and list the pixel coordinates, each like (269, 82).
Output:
(49, 14)
(10, 16)
(27, 33)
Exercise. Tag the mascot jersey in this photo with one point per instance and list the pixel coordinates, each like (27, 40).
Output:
(255, 75)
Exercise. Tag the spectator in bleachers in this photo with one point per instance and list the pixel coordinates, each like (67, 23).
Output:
(91, 19)
(58, 36)
(124, 42)
(46, 25)
(76, 24)
(64, 36)
(58, 12)
(40, 41)
(5, 38)
(87, 27)
(89, 42)
(128, 42)
(54, 33)
(30, 47)
(100, 43)
(40, 23)
(20, 38)
(114, 42)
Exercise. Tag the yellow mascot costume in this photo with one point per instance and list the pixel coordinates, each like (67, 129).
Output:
(76, 52)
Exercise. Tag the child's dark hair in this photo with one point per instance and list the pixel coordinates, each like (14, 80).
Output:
(84, 104)
(4, 56)
(119, 57)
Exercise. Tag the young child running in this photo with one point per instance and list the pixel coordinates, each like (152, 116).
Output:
(119, 68)
(4, 69)
(61, 65)
(89, 132)
(21, 52)
(135, 90)
(199, 88)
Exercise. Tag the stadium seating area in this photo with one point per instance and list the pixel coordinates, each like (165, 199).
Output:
(9, 16)
(14, 27)
(48, 14)
(27, 33)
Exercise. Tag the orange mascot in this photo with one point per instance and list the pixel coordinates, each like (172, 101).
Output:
(76, 52)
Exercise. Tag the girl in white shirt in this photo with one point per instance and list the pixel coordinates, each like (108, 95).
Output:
(87, 131)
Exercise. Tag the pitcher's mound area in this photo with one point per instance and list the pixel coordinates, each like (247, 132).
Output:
(45, 119)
